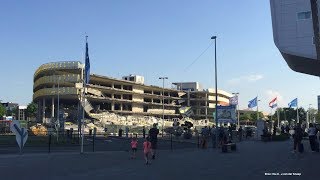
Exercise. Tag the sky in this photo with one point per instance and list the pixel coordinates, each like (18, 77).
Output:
(152, 39)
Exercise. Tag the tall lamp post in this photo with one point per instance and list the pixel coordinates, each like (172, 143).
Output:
(237, 94)
(163, 78)
(308, 119)
(216, 81)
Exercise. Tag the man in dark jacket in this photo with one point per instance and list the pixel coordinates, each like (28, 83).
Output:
(153, 135)
(297, 136)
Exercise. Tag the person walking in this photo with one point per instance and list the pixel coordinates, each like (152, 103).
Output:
(297, 138)
(144, 132)
(120, 132)
(213, 136)
(230, 132)
(205, 134)
(146, 150)
(153, 134)
(134, 145)
(127, 131)
(312, 137)
(240, 131)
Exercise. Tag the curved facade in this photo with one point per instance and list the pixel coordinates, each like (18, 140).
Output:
(296, 33)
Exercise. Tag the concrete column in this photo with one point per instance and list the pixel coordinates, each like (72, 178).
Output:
(121, 107)
(52, 108)
(39, 112)
(112, 85)
(121, 86)
(206, 106)
(43, 110)
(188, 103)
(112, 106)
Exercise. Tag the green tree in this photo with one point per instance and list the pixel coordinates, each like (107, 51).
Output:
(245, 117)
(2, 110)
(32, 110)
(254, 116)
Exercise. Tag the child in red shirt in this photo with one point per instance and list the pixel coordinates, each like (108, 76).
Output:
(146, 150)
(134, 144)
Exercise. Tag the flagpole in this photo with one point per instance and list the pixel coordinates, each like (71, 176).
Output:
(83, 99)
(257, 108)
(297, 115)
(278, 118)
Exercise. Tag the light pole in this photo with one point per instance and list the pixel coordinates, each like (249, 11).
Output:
(163, 78)
(308, 119)
(216, 81)
(237, 94)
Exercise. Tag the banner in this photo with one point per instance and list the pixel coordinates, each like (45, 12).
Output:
(226, 114)
(233, 100)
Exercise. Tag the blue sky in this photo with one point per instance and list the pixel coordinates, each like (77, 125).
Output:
(151, 38)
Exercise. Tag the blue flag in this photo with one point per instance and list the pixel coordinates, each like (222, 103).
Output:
(253, 103)
(87, 66)
(293, 103)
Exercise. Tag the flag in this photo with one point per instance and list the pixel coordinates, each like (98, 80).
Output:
(293, 103)
(253, 103)
(233, 100)
(87, 65)
(273, 103)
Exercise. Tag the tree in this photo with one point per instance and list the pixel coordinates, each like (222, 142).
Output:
(245, 117)
(254, 116)
(32, 110)
(2, 110)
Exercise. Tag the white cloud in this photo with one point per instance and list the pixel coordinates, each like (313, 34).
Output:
(248, 79)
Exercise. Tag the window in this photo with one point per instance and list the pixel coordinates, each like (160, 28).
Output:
(304, 15)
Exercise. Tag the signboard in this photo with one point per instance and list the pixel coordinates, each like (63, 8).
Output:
(226, 114)
(21, 133)
(186, 111)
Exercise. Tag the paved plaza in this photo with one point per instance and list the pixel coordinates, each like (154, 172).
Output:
(252, 160)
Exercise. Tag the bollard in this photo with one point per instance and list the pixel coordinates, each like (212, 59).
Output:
(93, 137)
(49, 143)
(171, 140)
(198, 142)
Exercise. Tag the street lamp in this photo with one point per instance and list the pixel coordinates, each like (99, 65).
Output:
(237, 94)
(308, 115)
(163, 78)
(216, 81)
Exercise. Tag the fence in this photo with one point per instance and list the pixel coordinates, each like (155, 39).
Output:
(70, 141)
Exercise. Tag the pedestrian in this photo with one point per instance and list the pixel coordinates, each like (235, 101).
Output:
(221, 136)
(312, 137)
(153, 134)
(120, 132)
(205, 134)
(146, 150)
(127, 131)
(134, 145)
(287, 129)
(297, 138)
(282, 129)
(230, 132)
(144, 132)
(240, 131)
(213, 136)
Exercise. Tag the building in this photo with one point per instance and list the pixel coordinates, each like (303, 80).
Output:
(22, 110)
(10, 106)
(296, 33)
(126, 96)
(202, 101)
